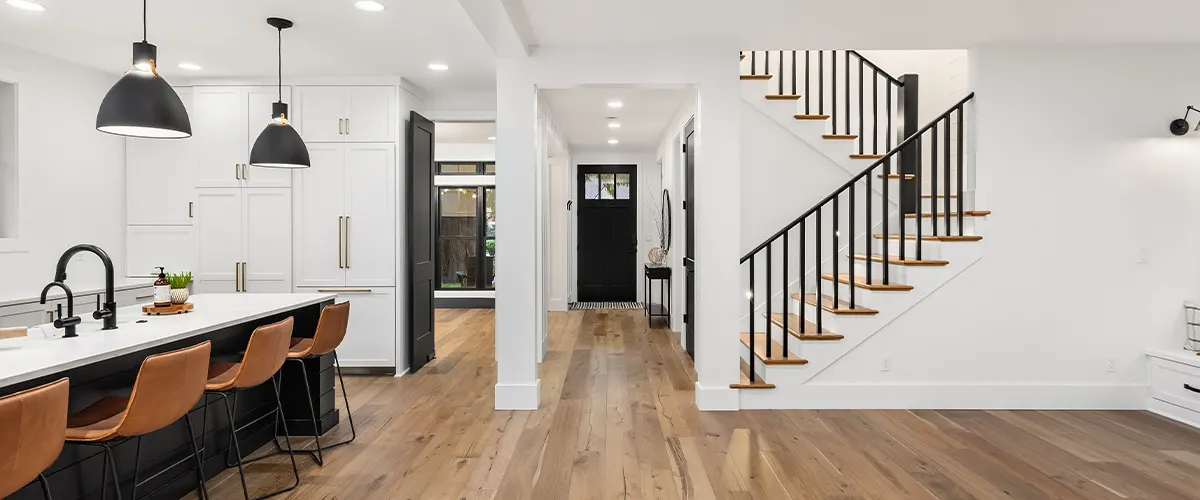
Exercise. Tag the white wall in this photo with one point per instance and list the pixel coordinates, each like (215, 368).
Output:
(1090, 251)
(464, 151)
(72, 178)
(670, 152)
(942, 75)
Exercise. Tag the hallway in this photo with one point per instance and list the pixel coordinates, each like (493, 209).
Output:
(618, 420)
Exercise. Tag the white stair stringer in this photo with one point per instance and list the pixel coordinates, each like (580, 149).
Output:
(811, 131)
(791, 381)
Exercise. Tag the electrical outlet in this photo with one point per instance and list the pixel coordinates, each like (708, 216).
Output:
(1112, 365)
(886, 365)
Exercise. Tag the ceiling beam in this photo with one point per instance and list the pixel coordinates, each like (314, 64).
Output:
(504, 25)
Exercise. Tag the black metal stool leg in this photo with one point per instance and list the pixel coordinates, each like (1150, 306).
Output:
(346, 398)
(312, 407)
(137, 463)
(196, 453)
(112, 462)
(287, 438)
(229, 449)
(236, 448)
(45, 486)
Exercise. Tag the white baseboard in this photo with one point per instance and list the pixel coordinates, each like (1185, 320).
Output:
(559, 305)
(716, 398)
(518, 396)
(947, 397)
(401, 373)
(1176, 413)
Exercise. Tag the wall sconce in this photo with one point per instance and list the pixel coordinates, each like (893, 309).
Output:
(1180, 126)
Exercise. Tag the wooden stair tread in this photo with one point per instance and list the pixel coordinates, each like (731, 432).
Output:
(812, 117)
(745, 382)
(839, 137)
(756, 77)
(778, 355)
(865, 157)
(783, 97)
(842, 306)
(968, 213)
(913, 237)
(793, 327)
(875, 284)
(895, 260)
(907, 177)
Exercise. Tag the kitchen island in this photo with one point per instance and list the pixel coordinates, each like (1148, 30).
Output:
(101, 363)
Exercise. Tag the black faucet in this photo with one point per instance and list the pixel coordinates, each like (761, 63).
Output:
(109, 312)
(68, 323)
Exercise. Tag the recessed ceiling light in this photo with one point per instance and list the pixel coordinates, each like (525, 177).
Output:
(190, 66)
(492, 138)
(613, 141)
(436, 66)
(615, 104)
(27, 5)
(614, 124)
(369, 6)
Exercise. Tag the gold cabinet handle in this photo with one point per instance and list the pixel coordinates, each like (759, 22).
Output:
(341, 126)
(244, 277)
(362, 290)
(347, 242)
(245, 172)
(347, 126)
(341, 264)
(237, 276)
(237, 171)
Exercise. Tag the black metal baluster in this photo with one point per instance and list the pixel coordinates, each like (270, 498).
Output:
(837, 243)
(780, 75)
(870, 228)
(833, 104)
(793, 78)
(850, 230)
(887, 172)
(933, 181)
(847, 93)
(875, 112)
(917, 180)
(783, 298)
(768, 301)
(750, 295)
(753, 62)
(807, 94)
(888, 111)
(946, 185)
(820, 82)
(817, 274)
(960, 170)
(802, 270)
(862, 135)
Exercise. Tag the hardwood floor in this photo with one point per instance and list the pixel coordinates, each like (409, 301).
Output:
(618, 420)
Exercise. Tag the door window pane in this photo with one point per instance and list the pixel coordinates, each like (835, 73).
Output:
(489, 243)
(608, 188)
(458, 168)
(489, 168)
(458, 237)
(591, 186)
(622, 186)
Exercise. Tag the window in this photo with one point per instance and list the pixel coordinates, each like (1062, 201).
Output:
(466, 257)
(8, 161)
(606, 186)
(466, 168)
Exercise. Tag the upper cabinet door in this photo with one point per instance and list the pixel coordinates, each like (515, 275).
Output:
(371, 209)
(218, 135)
(319, 214)
(154, 167)
(267, 233)
(369, 114)
(219, 239)
(321, 112)
(258, 115)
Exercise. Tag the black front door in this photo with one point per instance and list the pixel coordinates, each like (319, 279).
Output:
(607, 239)
(421, 241)
(689, 250)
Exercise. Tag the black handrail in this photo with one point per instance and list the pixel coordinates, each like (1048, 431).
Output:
(848, 184)
(881, 71)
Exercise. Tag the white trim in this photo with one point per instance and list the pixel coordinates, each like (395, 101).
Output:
(1174, 412)
(559, 305)
(948, 396)
(464, 180)
(716, 398)
(13, 245)
(401, 373)
(518, 396)
(464, 294)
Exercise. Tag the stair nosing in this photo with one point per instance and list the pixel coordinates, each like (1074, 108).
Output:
(896, 262)
(856, 311)
(844, 278)
(806, 337)
(789, 359)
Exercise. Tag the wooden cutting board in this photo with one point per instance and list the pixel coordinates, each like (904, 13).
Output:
(171, 309)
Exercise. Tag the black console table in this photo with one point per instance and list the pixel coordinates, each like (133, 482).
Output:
(663, 308)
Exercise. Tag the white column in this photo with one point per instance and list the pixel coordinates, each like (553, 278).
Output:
(517, 223)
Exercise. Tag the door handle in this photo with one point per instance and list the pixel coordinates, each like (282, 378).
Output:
(244, 277)
(237, 171)
(341, 126)
(362, 290)
(237, 276)
(347, 126)
(1190, 388)
(347, 242)
(245, 173)
(341, 258)
(190, 204)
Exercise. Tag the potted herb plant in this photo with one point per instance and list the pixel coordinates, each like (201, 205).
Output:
(179, 287)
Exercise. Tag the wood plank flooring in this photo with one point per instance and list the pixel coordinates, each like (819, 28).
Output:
(618, 421)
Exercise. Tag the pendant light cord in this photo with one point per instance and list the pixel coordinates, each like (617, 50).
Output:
(280, 59)
(144, 20)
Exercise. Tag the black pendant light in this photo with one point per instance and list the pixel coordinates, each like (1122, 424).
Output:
(142, 104)
(279, 145)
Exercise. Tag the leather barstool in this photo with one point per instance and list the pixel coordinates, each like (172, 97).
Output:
(265, 354)
(168, 385)
(331, 330)
(33, 426)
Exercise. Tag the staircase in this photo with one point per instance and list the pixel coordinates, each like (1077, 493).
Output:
(902, 226)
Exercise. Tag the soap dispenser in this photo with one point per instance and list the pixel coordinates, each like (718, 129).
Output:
(162, 289)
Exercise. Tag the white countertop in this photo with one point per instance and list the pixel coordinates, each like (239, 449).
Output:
(44, 351)
(1178, 355)
(29, 297)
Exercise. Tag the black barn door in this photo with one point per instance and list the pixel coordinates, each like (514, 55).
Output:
(607, 240)
(689, 251)
(421, 241)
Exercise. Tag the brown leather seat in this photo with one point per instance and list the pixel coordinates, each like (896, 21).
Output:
(331, 330)
(33, 425)
(167, 386)
(265, 354)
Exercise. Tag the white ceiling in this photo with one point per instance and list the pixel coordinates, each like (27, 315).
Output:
(582, 115)
(465, 132)
(859, 24)
(231, 38)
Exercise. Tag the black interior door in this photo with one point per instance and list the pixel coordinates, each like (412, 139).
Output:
(607, 241)
(689, 250)
(421, 241)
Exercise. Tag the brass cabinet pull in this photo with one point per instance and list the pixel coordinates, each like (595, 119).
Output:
(340, 257)
(237, 276)
(341, 126)
(244, 278)
(347, 126)
(237, 171)
(190, 204)
(245, 172)
(347, 242)
(363, 290)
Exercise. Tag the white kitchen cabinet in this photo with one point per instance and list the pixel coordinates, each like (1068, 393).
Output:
(244, 240)
(348, 114)
(345, 216)
(225, 123)
(371, 334)
(27, 315)
(147, 247)
(158, 172)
